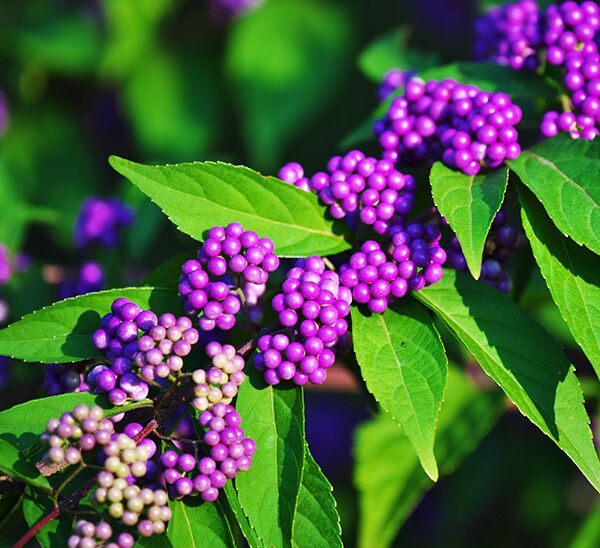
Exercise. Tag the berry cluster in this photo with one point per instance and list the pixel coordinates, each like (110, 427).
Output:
(417, 260)
(463, 126)
(230, 255)
(60, 378)
(500, 244)
(312, 306)
(356, 183)
(88, 535)
(161, 348)
(90, 278)
(510, 35)
(5, 265)
(392, 80)
(220, 383)
(99, 221)
(226, 10)
(118, 381)
(84, 426)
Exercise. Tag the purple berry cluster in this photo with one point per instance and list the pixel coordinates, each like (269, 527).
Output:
(88, 535)
(90, 278)
(416, 262)
(501, 243)
(228, 257)
(80, 430)
(392, 80)
(510, 35)
(356, 183)
(463, 126)
(161, 348)
(99, 222)
(220, 383)
(311, 308)
(570, 28)
(61, 378)
(226, 10)
(5, 265)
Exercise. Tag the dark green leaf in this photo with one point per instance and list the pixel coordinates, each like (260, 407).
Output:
(469, 204)
(63, 331)
(36, 505)
(316, 523)
(525, 361)
(403, 362)
(572, 274)
(22, 424)
(563, 173)
(588, 535)
(14, 465)
(284, 61)
(269, 491)
(391, 51)
(196, 523)
(388, 475)
(200, 195)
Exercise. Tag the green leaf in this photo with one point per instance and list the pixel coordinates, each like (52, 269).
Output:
(196, 523)
(588, 535)
(391, 51)
(403, 362)
(200, 195)
(388, 475)
(269, 491)
(469, 204)
(285, 62)
(525, 361)
(22, 424)
(563, 173)
(62, 332)
(572, 274)
(317, 522)
(241, 518)
(36, 505)
(14, 465)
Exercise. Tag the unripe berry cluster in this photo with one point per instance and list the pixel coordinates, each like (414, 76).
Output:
(500, 244)
(463, 126)
(88, 535)
(99, 221)
(510, 35)
(80, 430)
(220, 383)
(60, 378)
(392, 80)
(356, 183)
(229, 256)
(161, 348)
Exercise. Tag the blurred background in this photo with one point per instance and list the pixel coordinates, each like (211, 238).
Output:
(249, 82)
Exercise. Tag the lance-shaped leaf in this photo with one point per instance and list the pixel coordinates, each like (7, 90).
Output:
(36, 505)
(403, 362)
(469, 204)
(199, 195)
(14, 465)
(62, 332)
(22, 424)
(316, 522)
(268, 492)
(388, 475)
(196, 523)
(572, 274)
(563, 173)
(525, 361)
